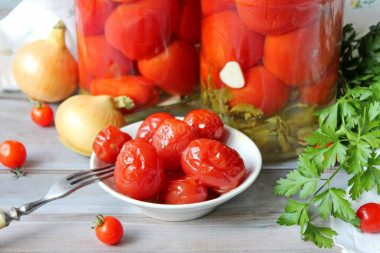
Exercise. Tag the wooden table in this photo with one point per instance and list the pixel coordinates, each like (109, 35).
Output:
(247, 223)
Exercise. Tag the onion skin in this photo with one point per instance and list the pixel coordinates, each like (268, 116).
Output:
(45, 70)
(80, 118)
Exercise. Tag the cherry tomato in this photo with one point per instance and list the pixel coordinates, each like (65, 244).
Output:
(210, 7)
(189, 24)
(262, 90)
(109, 230)
(208, 124)
(209, 74)
(184, 190)
(170, 139)
(214, 164)
(139, 171)
(101, 59)
(42, 114)
(369, 215)
(323, 90)
(149, 126)
(175, 70)
(140, 29)
(277, 16)
(108, 143)
(91, 15)
(300, 57)
(13, 155)
(225, 38)
(141, 90)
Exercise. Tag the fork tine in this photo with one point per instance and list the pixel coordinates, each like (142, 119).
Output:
(91, 180)
(81, 173)
(91, 175)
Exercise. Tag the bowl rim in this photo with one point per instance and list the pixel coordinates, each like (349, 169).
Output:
(248, 181)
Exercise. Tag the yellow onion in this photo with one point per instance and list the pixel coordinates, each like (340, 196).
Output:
(45, 70)
(80, 118)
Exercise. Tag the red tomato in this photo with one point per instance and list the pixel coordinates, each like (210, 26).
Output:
(184, 190)
(101, 59)
(225, 38)
(175, 70)
(149, 126)
(262, 90)
(369, 214)
(140, 29)
(323, 90)
(108, 143)
(214, 164)
(277, 16)
(209, 74)
(210, 7)
(139, 89)
(208, 124)
(109, 230)
(300, 57)
(189, 24)
(12, 154)
(170, 139)
(91, 15)
(42, 114)
(139, 172)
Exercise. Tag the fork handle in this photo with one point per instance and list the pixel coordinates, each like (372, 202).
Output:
(16, 213)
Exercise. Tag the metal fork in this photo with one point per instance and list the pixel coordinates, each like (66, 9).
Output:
(59, 189)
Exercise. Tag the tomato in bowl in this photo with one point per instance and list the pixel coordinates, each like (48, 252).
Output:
(233, 138)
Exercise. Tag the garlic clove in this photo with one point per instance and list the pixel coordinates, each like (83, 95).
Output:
(232, 75)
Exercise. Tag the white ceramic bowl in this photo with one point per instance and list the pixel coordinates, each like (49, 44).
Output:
(233, 138)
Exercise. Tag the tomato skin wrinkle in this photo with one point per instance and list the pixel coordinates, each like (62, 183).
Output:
(214, 164)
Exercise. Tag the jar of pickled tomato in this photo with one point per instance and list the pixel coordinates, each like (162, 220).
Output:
(147, 50)
(268, 65)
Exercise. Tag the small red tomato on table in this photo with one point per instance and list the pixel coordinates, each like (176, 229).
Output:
(369, 215)
(108, 229)
(42, 114)
(13, 156)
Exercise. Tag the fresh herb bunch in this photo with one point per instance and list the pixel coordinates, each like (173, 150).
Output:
(346, 140)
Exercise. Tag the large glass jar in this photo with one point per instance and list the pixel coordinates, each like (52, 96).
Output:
(268, 65)
(144, 49)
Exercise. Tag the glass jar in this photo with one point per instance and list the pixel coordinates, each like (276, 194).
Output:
(147, 50)
(268, 65)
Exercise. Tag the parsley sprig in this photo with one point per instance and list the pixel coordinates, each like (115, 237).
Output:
(346, 141)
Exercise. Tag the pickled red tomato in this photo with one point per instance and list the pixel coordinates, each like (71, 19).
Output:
(225, 37)
(108, 143)
(91, 15)
(142, 91)
(207, 123)
(209, 75)
(142, 28)
(170, 139)
(262, 90)
(149, 126)
(189, 23)
(100, 58)
(185, 190)
(139, 172)
(210, 7)
(175, 70)
(300, 57)
(277, 16)
(214, 164)
(323, 90)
